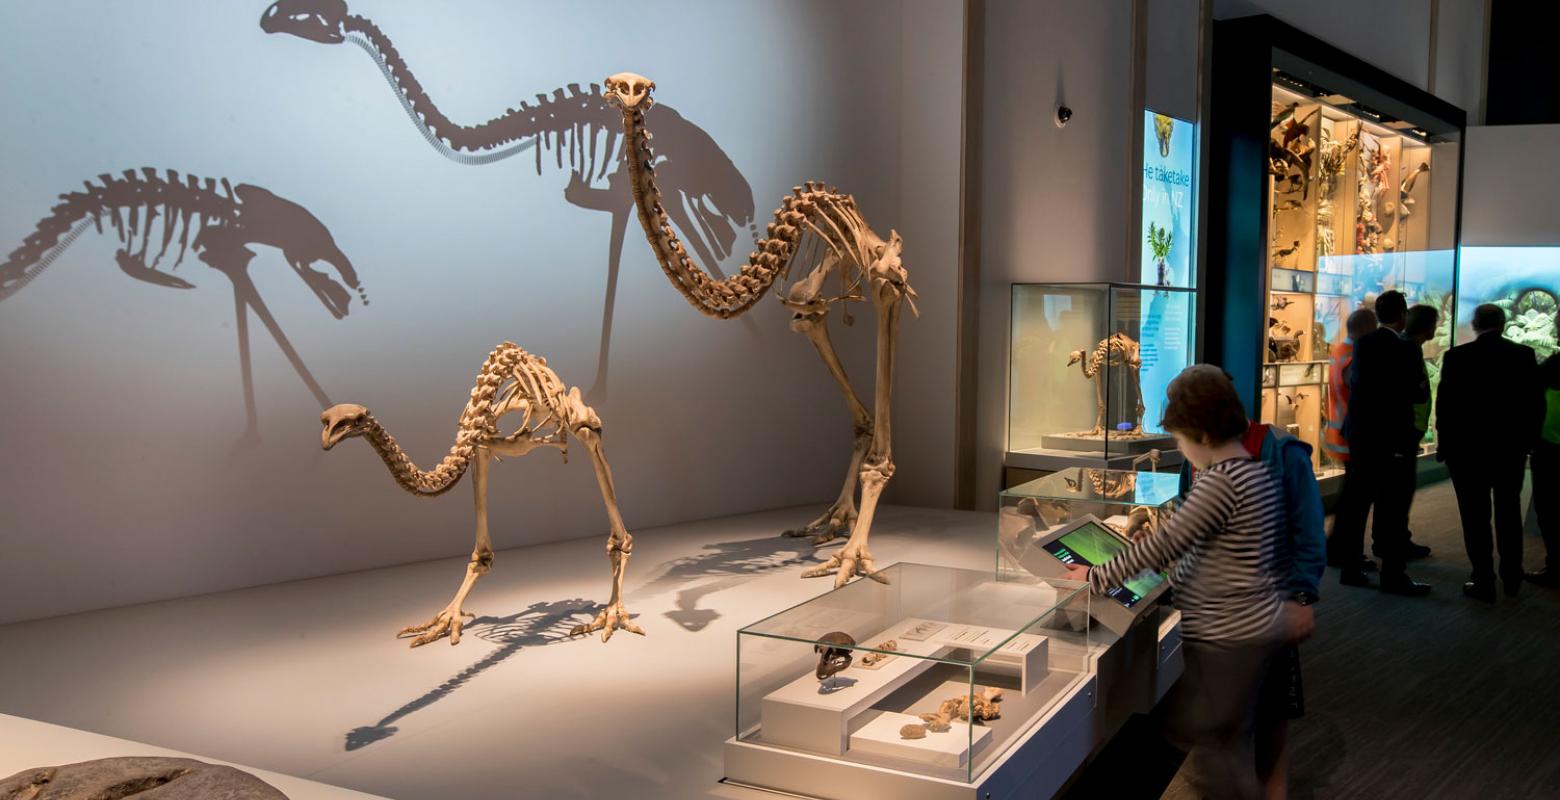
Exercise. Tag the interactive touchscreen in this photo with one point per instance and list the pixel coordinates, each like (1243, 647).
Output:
(1091, 544)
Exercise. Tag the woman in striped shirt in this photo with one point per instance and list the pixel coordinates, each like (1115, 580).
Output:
(1225, 552)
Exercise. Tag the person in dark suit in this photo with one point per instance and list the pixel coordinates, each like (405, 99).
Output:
(1488, 414)
(1383, 444)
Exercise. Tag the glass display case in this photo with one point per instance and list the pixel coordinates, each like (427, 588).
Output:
(1338, 182)
(1134, 504)
(1089, 365)
(933, 671)
(1353, 211)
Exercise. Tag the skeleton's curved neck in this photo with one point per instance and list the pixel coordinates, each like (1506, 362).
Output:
(429, 483)
(478, 421)
(722, 298)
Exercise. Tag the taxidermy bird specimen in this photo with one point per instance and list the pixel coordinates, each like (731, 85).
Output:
(220, 222)
(1405, 202)
(1115, 350)
(510, 381)
(1285, 252)
(819, 232)
(712, 202)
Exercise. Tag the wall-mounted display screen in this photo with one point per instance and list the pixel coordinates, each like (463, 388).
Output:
(1525, 281)
(1169, 162)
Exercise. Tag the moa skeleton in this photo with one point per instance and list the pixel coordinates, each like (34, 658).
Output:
(510, 381)
(818, 230)
(216, 220)
(1115, 350)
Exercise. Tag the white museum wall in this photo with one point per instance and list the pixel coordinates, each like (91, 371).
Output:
(1055, 202)
(1509, 189)
(931, 87)
(123, 477)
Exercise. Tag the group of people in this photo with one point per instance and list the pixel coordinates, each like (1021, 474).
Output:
(1247, 548)
(1490, 415)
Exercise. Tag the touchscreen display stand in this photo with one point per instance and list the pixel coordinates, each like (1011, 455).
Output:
(1087, 541)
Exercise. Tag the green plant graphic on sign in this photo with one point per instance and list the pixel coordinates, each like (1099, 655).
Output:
(1159, 242)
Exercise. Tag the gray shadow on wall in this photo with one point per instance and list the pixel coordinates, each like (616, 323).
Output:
(708, 199)
(219, 222)
(538, 625)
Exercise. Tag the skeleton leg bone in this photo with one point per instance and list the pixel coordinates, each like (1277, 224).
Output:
(838, 519)
(854, 558)
(449, 621)
(620, 544)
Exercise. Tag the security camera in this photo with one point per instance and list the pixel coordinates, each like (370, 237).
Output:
(1063, 114)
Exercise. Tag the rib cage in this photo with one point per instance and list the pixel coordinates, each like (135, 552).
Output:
(132, 203)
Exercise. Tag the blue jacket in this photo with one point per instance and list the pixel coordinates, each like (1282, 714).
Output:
(1289, 459)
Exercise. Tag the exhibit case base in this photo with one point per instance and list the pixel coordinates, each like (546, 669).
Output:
(1036, 766)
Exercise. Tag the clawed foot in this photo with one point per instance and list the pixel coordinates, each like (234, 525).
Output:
(611, 619)
(448, 623)
(831, 525)
(851, 561)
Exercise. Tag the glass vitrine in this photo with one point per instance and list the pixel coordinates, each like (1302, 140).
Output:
(1090, 363)
(930, 670)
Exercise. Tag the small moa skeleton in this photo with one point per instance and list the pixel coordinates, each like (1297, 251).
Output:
(1115, 350)
(510, 381)
(819, 230)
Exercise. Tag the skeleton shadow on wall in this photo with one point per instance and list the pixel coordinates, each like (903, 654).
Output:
(217, 221)
(577, 130)
(539, 625)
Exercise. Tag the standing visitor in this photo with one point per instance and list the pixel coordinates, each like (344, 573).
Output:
(1488, 414)
(1225, 550)
(1383, 445)
(1546, 473)
(1346, 547)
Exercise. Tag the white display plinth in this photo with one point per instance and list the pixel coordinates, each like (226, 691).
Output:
(951, 748)
(804, 715)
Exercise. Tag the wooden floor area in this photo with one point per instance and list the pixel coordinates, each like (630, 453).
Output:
(1441, 697)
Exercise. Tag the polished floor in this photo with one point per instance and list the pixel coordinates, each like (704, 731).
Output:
(1440, 697)
(1431, 698)
(307, 678)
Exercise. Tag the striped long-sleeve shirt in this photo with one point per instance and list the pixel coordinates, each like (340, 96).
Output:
(1222, 548)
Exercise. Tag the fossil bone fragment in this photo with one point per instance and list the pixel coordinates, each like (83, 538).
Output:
(936, 722)
(912, 732)
(510, 381)
(819, 233)
(136, 776)
(834, 654)
(1115, 350)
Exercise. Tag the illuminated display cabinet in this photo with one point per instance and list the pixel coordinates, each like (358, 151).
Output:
(1089, 366)
(1336, 183)
(916, 685)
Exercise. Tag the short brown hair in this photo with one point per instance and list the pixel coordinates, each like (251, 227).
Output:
(1204, 406)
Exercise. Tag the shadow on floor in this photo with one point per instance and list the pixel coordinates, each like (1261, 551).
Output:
(540, 624)
(726, 564)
